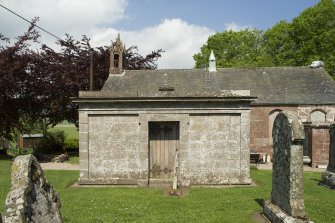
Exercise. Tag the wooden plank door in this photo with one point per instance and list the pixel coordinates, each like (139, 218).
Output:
(163, 141)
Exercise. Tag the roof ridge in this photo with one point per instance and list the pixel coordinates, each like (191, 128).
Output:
(228, 68)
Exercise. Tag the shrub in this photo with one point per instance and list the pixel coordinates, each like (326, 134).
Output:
(72, 146)
(53, 143)
(72, 143)
(13, 151)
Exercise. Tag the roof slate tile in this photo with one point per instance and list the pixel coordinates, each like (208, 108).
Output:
(272, 85)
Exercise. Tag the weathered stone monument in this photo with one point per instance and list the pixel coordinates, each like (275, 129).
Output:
(31, 197)
(287, 202)
(328, 177)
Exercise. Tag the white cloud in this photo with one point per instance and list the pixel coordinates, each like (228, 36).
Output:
(233, 26)
(96, 18)
(61, 16)
(179, 39)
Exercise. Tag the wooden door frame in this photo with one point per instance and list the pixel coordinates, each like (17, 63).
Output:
(157, 181)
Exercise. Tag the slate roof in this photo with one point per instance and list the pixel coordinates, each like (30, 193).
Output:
(273, 85)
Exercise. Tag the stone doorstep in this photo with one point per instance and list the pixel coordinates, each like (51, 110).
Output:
(160, 183)
(276, 215)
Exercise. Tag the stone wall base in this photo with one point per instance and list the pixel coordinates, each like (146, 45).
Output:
(154, 182)
(276, 215)
(328, 179)
(108, 181)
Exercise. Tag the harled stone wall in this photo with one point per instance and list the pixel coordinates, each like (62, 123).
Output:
(214, 153)
(114, 145)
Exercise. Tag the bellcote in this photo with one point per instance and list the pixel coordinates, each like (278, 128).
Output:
(117, 56)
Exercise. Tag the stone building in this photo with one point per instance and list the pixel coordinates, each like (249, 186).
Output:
(307, 91)
(149, 127)
(29, 140)
(154, 127)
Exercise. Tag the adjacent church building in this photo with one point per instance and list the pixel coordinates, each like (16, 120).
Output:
(195, 126)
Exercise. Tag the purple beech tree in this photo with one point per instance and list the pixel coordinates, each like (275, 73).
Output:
(36, 85)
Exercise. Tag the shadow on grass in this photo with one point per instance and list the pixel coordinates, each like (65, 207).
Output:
(260, 202)
(5, 157)
(317, 180)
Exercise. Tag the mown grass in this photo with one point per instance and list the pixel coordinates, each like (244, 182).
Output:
(70, 130)
(4, 181)
(73, 159)
(71, 141)
(121, 204)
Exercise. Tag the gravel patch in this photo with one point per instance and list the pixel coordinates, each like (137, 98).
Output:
(59, 166)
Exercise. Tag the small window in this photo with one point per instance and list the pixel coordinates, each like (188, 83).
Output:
(116, 60)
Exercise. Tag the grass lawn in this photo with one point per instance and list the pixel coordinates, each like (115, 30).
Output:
(73, 159)
(70, 130)
(117, 204)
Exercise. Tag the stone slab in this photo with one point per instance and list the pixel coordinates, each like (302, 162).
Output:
(31, 198)
(328, 179)
(277, 215)
(287, 196)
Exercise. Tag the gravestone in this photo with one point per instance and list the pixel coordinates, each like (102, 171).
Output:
(328, 177)
(31, 198)
(287, 202)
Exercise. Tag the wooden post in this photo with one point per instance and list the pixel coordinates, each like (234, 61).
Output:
(175, 171)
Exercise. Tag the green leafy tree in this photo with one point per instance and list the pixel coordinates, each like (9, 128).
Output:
(313, 33)
(232, 49)
(278, 46)
(36, 86)
(308, 37)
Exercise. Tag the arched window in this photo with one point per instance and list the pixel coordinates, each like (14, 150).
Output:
(116, 60)
(318, 116)
(272, 116)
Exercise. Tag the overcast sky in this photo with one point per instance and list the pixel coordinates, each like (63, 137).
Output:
(179, 27)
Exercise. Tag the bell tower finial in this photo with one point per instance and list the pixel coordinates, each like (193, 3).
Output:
(117, 56)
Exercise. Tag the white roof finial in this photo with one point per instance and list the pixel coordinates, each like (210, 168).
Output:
(212, 57)
(212, 63)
